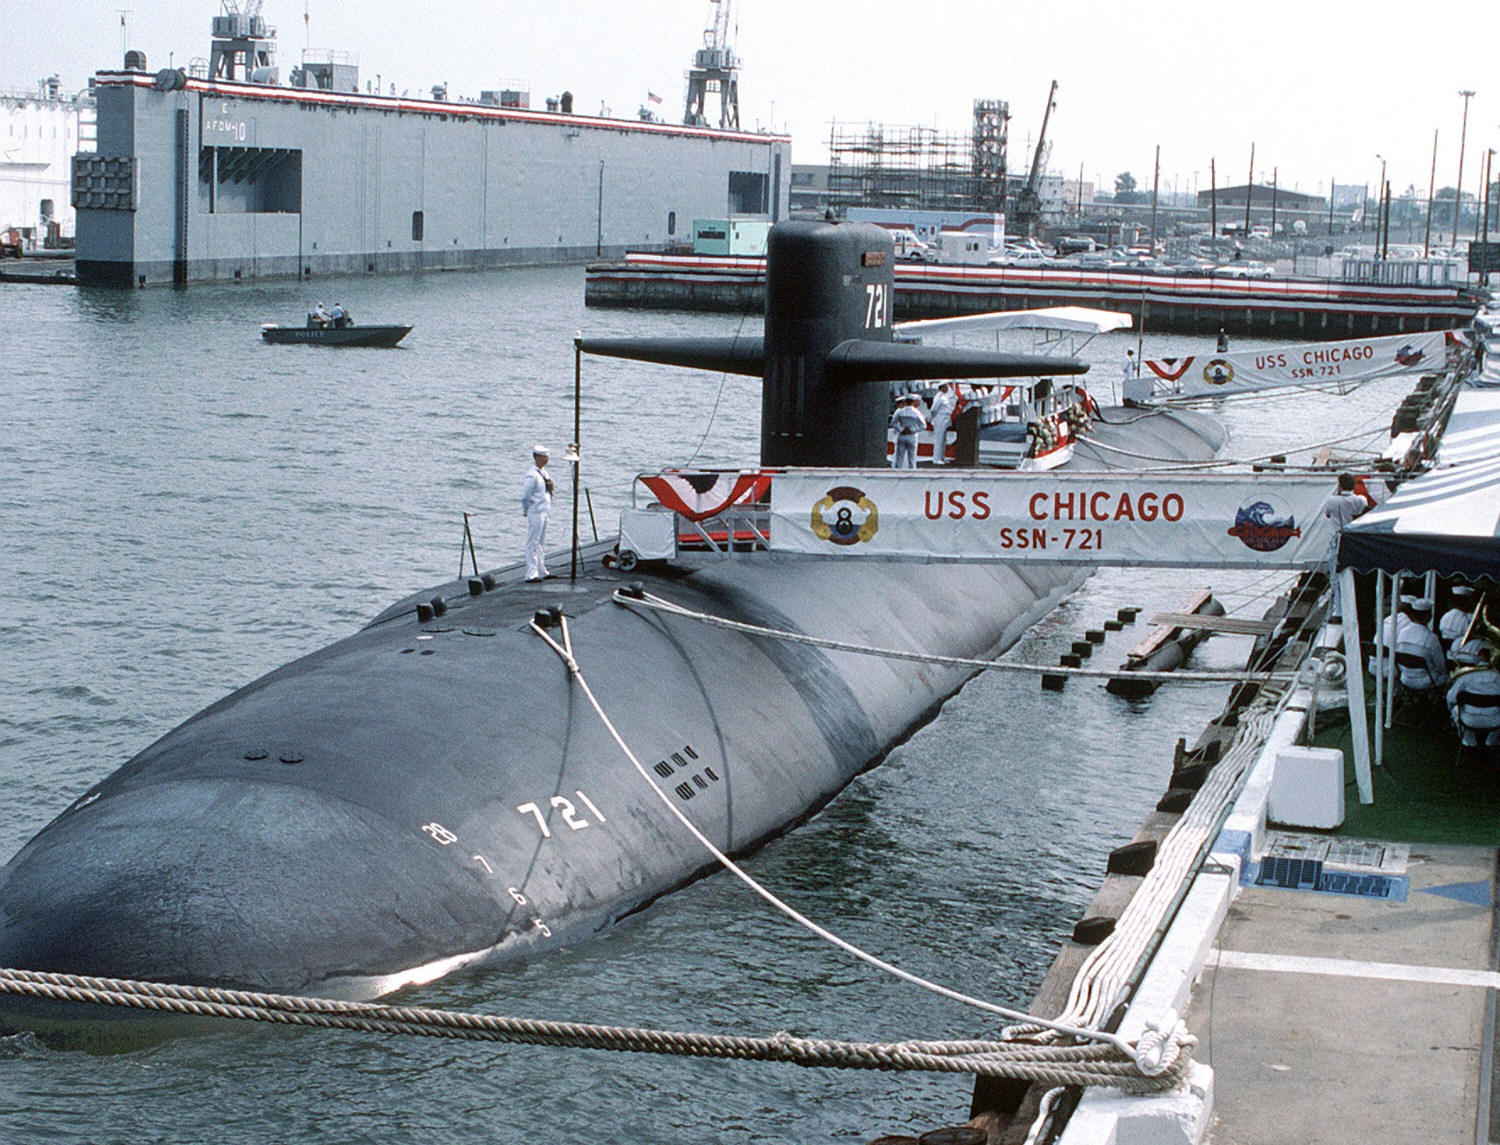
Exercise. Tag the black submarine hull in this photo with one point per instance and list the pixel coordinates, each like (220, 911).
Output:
(425, 795)
(293, 837)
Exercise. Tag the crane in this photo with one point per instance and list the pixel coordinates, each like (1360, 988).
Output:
(1028, 204)
(714, 69)
(242, 45)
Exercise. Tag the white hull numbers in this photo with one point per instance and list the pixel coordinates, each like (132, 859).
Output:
(567, 812)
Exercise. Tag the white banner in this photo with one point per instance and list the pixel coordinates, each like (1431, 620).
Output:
(1261, 520)
(1305, 363)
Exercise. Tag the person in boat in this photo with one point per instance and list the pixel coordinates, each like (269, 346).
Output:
(1341, 507)
(318, 319)
(536, 504)
(1223, 346)
(943, 405)
(907, 421)
(338, 316)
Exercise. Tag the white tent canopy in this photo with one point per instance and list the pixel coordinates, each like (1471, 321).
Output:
(1448, 520)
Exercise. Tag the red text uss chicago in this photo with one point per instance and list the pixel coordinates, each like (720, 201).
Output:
(1078, 505)
(1317, 357)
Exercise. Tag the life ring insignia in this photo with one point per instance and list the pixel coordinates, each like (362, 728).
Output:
(844, 528)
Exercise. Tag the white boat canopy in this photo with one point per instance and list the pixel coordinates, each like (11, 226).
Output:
(1055, 319)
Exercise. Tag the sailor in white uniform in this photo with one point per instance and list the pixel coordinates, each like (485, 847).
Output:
(942, 416)
(907, 421)
(536, 503)
(1390, 628)
(1474, 703)
(1421, 663)
(1455, 621)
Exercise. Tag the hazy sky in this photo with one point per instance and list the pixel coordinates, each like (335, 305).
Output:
(1321, 89)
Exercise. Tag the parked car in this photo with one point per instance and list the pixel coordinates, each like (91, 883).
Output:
(1248, 269)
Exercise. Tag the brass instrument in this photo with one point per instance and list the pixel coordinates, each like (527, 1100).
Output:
(1488, 631)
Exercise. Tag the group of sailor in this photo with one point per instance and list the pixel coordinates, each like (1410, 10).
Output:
(320, 319)
(1448, 659)
(912, 417)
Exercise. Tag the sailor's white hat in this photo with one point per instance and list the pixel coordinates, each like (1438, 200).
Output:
(1422, 604)
(540, 450)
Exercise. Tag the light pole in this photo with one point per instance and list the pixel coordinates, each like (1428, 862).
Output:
(1459, 189)
(1431, 186)
(1489, 168)
(1379, 193)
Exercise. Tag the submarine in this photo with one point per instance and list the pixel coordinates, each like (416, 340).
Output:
(434, 791)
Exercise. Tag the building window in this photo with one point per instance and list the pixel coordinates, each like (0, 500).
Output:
(748, 193)
(416, 226)
(671, 222)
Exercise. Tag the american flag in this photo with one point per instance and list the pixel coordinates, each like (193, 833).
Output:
(652, 97)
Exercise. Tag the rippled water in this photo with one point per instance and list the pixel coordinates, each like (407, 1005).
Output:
(183, 508)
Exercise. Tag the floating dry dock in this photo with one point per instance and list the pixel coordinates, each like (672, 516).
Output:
(1281, 307)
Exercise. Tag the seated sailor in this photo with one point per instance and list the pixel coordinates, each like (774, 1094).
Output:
(1474, 702)
(1389, 628)
(1455, 622)
(1420, 662)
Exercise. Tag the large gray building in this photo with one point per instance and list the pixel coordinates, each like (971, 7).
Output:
(197, 179)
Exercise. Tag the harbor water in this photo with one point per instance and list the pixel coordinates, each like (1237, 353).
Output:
(184, 508)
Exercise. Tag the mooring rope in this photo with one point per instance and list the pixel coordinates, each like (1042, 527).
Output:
(659, 604)
(1152, 1056)
(1064, 1065)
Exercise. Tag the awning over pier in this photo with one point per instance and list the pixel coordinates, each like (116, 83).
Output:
(1447, 521)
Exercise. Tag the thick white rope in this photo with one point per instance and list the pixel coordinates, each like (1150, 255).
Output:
(1108, 968)
(650, 601)
(564, 650)
(1054, 1065)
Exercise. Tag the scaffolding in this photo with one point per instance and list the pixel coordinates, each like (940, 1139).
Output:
(920, 168)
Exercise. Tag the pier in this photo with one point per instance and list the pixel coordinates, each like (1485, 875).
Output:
(1169, 303)
(1335, 960)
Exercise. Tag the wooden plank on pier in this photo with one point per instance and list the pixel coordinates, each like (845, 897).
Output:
(1158, 636)
(1232, 624)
